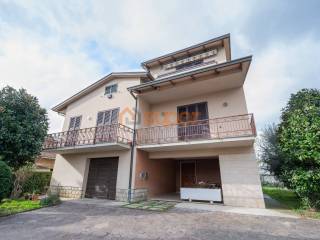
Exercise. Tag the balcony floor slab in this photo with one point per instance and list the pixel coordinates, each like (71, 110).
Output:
(199, 144)
(91, 148)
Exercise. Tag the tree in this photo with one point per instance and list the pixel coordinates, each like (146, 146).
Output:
(5, 180)
(269, 152)
(23, 126)
(299, 143)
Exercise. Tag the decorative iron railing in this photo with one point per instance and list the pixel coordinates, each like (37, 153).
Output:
(217, 128)
(115, 133)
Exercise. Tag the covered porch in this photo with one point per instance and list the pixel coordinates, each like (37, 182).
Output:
(194, 179)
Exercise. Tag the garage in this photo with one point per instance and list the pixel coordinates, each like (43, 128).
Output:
(102, 178)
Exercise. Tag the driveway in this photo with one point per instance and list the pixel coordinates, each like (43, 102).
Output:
(93, 219)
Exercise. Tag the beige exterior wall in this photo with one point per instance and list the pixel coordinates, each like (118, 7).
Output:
(219, 58)
(166, 112)
(89, 105)
(71, 170)
(240, 180)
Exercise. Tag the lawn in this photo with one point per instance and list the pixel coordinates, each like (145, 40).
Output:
(289, 201)
(8, 207)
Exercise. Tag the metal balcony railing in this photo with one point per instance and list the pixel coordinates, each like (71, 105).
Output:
(217, 128)
(115, 133)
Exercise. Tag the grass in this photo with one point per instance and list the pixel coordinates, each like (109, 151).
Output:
(289, 201)
(8, 207)
(160, 206)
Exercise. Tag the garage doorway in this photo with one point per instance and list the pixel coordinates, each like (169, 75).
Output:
(102, 178)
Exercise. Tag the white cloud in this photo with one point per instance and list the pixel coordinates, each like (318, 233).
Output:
(280, 69)
(42, 46)
(38, 65)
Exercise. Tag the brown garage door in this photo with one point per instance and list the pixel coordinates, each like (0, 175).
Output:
(102, 178)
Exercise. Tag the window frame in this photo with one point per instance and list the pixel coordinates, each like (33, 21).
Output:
(75, 120)
(113, 88)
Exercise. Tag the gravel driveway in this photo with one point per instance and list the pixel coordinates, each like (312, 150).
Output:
(107, 220)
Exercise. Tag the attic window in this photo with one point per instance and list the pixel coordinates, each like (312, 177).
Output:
(189, 64)
(111, 89)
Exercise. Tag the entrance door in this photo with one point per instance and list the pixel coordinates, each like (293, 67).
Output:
(193, 121)
(107, 126)
(188, 174)
(102, 178)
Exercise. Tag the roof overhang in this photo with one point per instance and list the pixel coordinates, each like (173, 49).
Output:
(229, 74)
(223, 40)
(62, 106)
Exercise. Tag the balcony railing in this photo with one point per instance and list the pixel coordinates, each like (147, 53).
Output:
(218, 128)
(115, 133)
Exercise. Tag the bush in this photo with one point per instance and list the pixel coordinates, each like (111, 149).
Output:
(50, 200)
(20, 177)
(37, 183)
(5, 180)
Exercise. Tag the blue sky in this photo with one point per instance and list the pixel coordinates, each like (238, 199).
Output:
(56, 48)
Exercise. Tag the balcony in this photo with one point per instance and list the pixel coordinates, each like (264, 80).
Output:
(232, 131)
(109, 137)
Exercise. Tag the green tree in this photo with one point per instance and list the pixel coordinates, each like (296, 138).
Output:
(23, 126)
(269, 152)
(299, 143)
(5, 180)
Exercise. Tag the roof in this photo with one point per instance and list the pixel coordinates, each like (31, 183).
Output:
(61, 106)
(224, 39)
(47, 155)
(191, 72)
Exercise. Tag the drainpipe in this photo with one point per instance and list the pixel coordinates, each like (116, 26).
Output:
(132, 146)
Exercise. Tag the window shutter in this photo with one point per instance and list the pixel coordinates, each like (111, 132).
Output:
(107, 117)
(114, 116)
(72, 122)
(77, 123)
(114, 88)
(100, 118)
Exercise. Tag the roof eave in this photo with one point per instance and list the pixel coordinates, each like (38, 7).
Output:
(145, 63)
(169, 78)
(61, 106)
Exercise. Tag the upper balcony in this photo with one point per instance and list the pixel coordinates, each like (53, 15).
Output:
(102, 138)
(197, 80)
(232, 131)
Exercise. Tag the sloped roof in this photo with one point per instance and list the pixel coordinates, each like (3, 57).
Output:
(224, 39)
(61, 106)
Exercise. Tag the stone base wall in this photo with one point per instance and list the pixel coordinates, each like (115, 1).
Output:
(137, 195)
(67, 191)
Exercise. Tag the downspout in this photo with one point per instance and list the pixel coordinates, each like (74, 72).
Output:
(132, 146)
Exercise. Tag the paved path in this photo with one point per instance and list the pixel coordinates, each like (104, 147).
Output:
(85, 219)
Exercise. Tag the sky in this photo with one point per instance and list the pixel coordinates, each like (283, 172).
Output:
(56, 48)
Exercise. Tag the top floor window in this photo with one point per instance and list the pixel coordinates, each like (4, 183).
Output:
(189, 64)
(111, 89)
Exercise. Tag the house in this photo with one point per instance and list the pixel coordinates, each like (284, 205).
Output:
(45, 162)
(184, 132)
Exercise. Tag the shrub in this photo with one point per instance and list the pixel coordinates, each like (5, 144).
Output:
(20, 177)
(37, 183)
(50, 200)
(5, 180)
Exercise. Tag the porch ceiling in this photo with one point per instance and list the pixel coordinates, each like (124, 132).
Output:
(203, 144)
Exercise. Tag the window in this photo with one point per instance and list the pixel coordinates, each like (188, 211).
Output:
(107, 117)
(189, 64)
(111, 89)
(74, 123)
